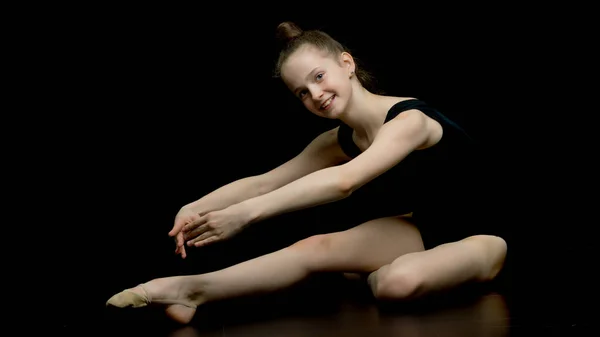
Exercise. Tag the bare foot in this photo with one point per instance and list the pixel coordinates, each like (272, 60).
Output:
(178, 294)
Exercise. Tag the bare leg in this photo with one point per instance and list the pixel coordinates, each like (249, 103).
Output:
(390, 249)
(474, 259)
(362, 249)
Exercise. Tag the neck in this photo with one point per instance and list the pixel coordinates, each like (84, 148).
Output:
(363, 113)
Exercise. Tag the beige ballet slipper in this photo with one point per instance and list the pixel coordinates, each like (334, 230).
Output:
(128, 298)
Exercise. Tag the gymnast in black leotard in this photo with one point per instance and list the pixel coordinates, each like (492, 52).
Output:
(423, 160)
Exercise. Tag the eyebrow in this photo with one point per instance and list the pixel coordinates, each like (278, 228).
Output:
(307, 76)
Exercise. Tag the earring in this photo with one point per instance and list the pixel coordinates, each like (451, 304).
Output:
(351, 74)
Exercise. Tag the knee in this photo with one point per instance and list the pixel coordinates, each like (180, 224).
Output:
(395, 284)
(487, 239)
(314, 247)
(494, 250)
(497, 244)
(316, 242)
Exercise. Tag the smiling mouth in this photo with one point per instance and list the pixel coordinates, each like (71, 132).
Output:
(327, 103)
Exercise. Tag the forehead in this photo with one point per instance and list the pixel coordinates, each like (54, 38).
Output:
(302, 62)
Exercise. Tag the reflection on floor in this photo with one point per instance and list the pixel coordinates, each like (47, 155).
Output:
(335, 307)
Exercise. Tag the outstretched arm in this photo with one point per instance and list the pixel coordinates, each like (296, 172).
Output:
(229, 194)
(322, 152)
(394, 142)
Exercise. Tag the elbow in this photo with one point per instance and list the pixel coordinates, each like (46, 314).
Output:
(345, 185)
(345, 190)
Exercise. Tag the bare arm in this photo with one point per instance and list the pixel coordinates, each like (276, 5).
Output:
(227, 195)
(322, 152)
(394, 142)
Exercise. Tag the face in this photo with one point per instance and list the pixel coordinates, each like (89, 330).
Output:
(320, 80)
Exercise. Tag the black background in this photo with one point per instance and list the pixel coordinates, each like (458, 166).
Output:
(147, 109)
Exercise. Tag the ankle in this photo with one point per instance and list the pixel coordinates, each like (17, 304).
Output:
(194, 288)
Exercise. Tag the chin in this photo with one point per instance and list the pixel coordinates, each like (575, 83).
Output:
(335, 114)
(328, 115)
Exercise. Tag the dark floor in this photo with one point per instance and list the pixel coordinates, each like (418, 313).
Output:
(331, 306)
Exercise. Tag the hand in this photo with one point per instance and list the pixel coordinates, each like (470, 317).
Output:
(216, 226)
(185, 216)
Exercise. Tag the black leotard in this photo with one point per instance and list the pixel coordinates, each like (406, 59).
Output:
(438, 184)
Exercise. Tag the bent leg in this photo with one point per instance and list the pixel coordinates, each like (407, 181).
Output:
(474, 259)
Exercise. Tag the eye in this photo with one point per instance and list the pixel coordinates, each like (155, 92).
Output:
(302, 93)
(319, 76)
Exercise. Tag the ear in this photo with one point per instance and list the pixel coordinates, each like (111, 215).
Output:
(347, 62)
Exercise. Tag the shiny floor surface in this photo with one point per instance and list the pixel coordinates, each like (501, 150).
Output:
(346, 308)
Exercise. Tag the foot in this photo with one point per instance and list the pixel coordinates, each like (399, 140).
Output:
(175, 293)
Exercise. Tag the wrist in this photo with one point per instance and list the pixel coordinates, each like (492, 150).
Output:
(251, 210)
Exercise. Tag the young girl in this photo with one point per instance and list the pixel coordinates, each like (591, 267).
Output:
(425, 158)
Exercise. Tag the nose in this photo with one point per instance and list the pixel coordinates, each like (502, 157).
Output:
(315, 92)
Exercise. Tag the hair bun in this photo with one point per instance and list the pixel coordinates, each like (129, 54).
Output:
(287, 31)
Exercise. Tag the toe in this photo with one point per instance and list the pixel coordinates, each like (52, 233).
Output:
(128, 298)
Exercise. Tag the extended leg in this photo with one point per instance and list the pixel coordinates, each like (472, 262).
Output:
(364, 248)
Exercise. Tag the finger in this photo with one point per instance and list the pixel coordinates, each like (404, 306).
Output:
(206, 241)
(177, 226)
(196, 232)
(200, 238)
(181, 251)
(180, 239)
(195, 223)
(179, 248)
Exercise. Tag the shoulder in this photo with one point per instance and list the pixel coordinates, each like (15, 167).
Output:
(404, 113)
(393, 142)
(409, 123)
(410, 117)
